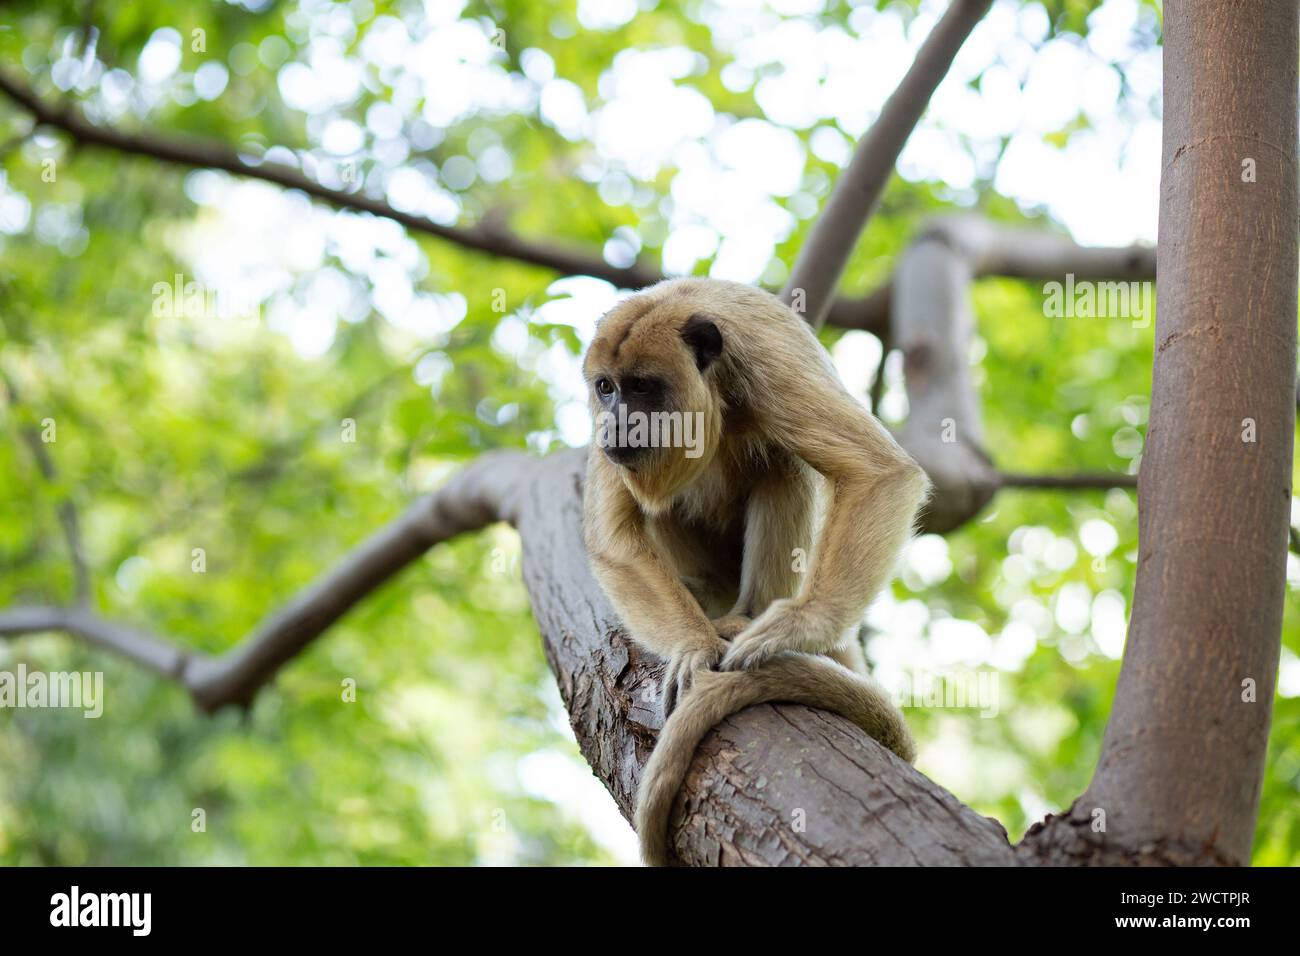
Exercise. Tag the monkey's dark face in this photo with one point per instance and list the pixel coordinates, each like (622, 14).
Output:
(654, 404)
(625, 401)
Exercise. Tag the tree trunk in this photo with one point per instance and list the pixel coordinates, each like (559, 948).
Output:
(1182, 763)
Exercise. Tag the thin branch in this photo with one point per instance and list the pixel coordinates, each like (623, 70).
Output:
(826, 252)
(1081, 482)
(478, 495)
(148, 650)
(68, 518)
(200, 154)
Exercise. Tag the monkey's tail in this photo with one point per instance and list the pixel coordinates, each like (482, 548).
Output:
(796, 678)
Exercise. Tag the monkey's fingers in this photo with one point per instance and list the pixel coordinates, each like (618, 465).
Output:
(676, 682)
(668, 691)
(745, 655)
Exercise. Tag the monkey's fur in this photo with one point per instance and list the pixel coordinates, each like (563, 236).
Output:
(697, 554)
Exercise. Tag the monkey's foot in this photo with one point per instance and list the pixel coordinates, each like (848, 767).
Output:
(682, 667)
(785, 626)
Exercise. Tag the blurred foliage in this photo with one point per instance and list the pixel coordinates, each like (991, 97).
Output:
(175, 434)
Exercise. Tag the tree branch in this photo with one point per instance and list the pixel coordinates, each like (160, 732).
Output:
(477, 496)
(199, 154)
(68, 518)
(772, 785)
(753, 774)
(826, 252)
(932, 321)
(869, 313)
(149, 651)
(1087, 481)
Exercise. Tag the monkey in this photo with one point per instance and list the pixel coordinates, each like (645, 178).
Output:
(723, 443)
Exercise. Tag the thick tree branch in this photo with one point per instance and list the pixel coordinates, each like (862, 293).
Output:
(933, 322)
(768, 786)
(826, 252)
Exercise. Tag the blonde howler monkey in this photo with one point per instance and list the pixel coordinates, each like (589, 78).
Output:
(722, 434)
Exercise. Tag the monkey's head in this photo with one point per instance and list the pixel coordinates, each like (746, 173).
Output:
(652, 373)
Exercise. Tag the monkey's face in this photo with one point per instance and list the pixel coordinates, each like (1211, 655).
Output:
(654, 404)
(624, 401)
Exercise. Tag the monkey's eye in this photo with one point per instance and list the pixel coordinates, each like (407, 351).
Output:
(604, 386)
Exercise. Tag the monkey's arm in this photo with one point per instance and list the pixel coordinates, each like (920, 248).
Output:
(875, 491)
(659, 612)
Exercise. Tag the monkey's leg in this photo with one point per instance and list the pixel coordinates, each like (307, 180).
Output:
(779, 532)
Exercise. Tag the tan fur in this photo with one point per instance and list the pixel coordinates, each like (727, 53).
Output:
(676, 541)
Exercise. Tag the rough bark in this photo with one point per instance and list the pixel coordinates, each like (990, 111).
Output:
(1182, 762)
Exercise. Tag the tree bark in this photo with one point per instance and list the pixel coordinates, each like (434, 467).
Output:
(1182, 762)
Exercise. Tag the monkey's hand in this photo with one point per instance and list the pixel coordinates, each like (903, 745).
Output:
(786, 625)
(682, 666)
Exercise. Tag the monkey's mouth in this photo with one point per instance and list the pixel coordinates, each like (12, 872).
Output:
(626, 456)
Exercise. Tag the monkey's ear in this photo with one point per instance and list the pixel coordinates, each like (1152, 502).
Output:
(704, 340)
